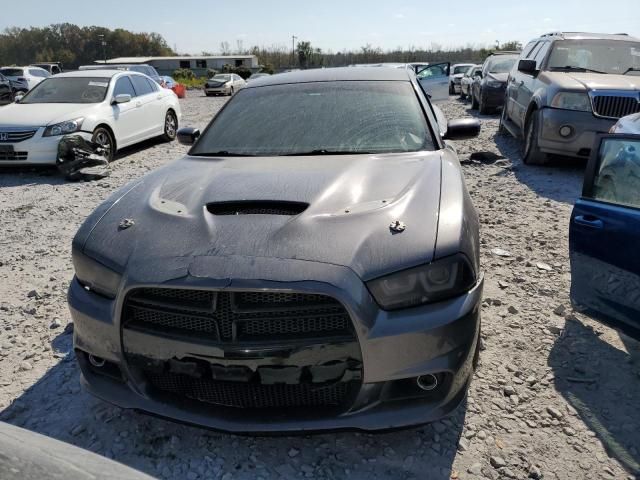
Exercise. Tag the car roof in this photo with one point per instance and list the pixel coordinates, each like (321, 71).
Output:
(95, 73)
(589, 36)
(335, 75)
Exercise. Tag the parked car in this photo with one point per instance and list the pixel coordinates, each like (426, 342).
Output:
(605, 231)
(223, 84)
(27, 76)
(489, 85)
(110, 107)
(53, 68)
(169, 82)
(457, 72)
(467, 80)
(256, 76)
(6, 90)
(268, 279)
(567, 88)
(147, 70)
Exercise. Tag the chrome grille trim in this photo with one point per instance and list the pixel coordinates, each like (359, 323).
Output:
(15, 135)
(614, 104)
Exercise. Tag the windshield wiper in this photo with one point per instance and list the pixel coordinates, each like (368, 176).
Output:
(323, 151)
(631, 69)
(223, 153)
(572, 68)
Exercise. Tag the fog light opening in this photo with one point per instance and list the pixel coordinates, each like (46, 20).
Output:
(566, 131)
(427, 382)
(96, 361)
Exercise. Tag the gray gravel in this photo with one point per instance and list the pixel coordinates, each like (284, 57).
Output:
(556, 394)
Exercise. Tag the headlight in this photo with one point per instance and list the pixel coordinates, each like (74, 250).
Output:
(63, 128)
(572, 101)
(437, 281)
(494, 83)
(95, 277)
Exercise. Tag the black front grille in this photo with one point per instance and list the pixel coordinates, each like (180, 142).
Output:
(254, 395)
(13, 156)
(616, 106)
(236, 316)
(15, 136)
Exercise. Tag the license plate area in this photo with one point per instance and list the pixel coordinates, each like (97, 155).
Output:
(6, 149)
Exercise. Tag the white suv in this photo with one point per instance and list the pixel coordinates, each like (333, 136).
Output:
(31, 76)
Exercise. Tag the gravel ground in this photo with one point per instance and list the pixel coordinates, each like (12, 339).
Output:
(555, 395)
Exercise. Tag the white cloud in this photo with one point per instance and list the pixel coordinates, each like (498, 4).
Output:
(399, 15)
(547, 20)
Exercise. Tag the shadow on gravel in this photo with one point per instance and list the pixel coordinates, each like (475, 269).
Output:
(168, 450)
(601, 383)
(561, 180)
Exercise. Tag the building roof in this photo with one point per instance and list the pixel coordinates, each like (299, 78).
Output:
(150, 59)
(334, 75)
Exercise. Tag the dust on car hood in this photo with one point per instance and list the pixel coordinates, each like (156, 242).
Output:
(594, 81)
(352, 200)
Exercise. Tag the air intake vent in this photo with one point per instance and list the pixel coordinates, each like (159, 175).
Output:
(259, 207)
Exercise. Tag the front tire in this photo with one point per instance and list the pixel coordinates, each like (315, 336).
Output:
(103, 137)
(532, 154)
(482, 106)
(474, 102)
(170, 126)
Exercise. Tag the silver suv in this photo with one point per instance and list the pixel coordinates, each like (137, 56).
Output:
(568, 87)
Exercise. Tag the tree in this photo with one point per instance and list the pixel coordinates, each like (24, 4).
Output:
(305, 51)
(513, 45)
(225, 48)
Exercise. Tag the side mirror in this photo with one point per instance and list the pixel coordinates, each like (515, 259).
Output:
(527, 66)
(477, 75)
(462, 129)
(122, 98)
(188, 135)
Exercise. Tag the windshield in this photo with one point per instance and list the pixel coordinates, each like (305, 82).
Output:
(501, 64)
(12, 72)
(606, 56)
(460, 69)
(319, 118)
(222, 78)
(68, 90)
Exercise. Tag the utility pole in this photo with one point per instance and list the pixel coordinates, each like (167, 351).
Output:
(293, 50)
(104, 47)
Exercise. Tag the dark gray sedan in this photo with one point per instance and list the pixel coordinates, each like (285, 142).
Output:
(311, 264)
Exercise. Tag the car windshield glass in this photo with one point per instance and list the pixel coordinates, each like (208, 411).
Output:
(501, 64)
(607, 56)
(460, 69)
(68, 90)
(319, 118)
(222, 78)
(12, 72)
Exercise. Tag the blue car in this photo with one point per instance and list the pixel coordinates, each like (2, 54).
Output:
(604, 235)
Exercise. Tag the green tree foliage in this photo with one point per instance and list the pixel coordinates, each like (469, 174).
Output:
(74, 46)
(242, 71)
(183, 74)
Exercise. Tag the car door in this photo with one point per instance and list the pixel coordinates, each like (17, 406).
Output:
(148, 102)
(604, 235)
(512, 108)
(434, 79)
(127, 116)
(528, 83)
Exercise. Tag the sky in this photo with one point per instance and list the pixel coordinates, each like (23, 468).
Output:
(196, 26)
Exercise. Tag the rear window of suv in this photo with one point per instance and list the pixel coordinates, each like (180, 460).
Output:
(13, 72)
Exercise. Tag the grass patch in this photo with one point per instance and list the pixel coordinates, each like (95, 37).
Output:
(192, 82)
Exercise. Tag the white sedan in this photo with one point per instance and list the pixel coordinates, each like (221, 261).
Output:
(113, 108)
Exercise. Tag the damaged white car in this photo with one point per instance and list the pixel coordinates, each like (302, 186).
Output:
(111, 108)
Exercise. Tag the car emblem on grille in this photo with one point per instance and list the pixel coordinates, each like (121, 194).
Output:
(4, 136)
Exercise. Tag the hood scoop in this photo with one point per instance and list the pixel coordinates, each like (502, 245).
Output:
(257, 207)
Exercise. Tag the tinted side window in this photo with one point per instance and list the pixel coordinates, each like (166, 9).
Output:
(617, 175)
(527, 50)
(541, 53)
(38, 73)
(153, 85)
(124, 86)
(141, 85)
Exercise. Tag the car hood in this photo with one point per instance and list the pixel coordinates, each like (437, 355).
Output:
(593, 81)
(39, 115)
(500, 77)
(352, 202)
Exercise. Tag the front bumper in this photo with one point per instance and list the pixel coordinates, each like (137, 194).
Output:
(37, 150)
(585, 126)
(493, 97)
(394, 346)
(217, 90)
